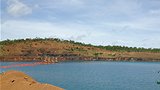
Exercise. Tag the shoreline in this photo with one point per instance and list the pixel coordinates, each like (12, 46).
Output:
(16, 80)
(42, 63)
(90, 59)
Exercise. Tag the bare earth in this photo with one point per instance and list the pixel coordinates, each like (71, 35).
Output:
(15, 80)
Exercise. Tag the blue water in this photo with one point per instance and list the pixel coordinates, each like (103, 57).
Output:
(96, 75)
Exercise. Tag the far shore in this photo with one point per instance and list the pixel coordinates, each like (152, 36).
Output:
(124, 59)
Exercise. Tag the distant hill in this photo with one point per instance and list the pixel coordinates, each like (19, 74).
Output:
(39, 49)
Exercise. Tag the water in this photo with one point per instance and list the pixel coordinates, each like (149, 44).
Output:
(96, 75)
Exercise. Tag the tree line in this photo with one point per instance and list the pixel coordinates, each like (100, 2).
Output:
(129, 49)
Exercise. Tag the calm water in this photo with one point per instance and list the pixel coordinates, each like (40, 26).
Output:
(96, 75)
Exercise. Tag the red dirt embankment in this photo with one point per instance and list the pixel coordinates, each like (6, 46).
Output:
(15, 80)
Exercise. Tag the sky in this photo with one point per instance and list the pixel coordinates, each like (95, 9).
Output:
(133, 23)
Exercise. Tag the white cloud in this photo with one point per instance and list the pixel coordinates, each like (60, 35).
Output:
(144, 24)
(61, 4)
(77, 38)
(17, 8)
(155, 12)
(72, 2)
(23, 29)
(128, 7)
(14, 29)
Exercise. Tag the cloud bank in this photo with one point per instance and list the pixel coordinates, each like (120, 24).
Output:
(99, 22)
(17, 8)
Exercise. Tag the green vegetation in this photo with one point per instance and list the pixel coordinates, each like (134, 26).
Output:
(129, 49)
(97, 54)
(111, 48)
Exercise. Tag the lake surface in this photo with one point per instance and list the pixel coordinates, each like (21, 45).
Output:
(95, 75)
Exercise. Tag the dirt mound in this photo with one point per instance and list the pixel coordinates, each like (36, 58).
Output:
(15, 80)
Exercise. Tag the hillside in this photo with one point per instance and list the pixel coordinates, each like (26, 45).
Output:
(39, 49)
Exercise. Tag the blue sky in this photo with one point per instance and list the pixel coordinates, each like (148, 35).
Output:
(134, 23)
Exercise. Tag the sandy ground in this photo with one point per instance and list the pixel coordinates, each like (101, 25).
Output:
(15, 80)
